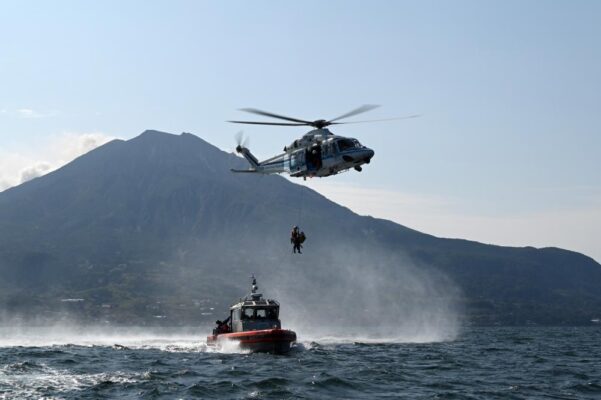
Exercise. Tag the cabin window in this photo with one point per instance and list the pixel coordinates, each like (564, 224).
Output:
(261, 313)
(247, 313)
(272, 313)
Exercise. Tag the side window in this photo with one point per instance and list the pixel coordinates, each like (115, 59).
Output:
(345, 144)
(272, 313)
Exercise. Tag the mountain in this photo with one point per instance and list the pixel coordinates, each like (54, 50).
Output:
(157, 229)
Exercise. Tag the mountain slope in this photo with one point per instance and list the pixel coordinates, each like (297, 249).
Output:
(158, 226)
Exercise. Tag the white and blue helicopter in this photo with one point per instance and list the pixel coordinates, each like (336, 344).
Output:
(318, 153)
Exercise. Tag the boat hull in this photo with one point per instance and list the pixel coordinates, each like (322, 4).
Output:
(278, 341)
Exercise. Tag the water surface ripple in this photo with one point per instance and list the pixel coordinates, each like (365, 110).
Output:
(483, 363)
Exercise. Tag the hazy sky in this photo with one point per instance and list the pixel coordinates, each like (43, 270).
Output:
(506, 151)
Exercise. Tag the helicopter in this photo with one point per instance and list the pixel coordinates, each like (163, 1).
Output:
(318, 153)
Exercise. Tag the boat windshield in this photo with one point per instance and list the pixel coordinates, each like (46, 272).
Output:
(248, 313)
(260, 313)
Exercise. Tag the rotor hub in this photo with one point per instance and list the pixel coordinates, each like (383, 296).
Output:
(320, 123)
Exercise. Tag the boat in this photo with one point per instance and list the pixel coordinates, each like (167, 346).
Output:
(254, 325)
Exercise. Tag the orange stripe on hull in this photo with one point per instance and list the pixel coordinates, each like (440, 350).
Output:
(281, 339)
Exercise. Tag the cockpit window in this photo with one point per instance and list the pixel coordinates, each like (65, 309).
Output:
(346, 144)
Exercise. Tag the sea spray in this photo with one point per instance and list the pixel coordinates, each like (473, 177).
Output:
(383, 299)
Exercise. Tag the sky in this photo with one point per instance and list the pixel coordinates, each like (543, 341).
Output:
(506, 149)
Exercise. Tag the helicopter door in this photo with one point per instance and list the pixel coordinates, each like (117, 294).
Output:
(309, 160)
(332, 149)
(318, 156)
(313, 157)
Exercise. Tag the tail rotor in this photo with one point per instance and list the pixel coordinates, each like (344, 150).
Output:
(242, 141)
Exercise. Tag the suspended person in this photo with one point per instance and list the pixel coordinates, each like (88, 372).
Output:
(295, 240)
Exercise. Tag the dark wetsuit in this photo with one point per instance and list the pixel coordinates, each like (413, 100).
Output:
(296, 241)
(222, 327)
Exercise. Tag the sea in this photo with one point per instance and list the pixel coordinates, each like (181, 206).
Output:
(478, 363)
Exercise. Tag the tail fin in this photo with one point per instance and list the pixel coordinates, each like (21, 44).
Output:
(252, 160)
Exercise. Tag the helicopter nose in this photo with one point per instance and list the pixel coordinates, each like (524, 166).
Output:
(369, 153)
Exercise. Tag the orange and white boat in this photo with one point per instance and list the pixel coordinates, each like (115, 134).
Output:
(254, 324)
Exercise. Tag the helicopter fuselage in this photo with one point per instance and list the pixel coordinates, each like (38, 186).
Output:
(318, 153)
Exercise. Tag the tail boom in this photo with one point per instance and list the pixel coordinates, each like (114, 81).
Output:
(244, 170)
(273, 165)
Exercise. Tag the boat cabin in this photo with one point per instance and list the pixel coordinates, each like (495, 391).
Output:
(254, 313)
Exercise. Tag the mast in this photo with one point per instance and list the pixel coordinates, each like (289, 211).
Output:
(253, 289)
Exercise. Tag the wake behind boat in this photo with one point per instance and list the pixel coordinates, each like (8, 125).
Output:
(254, 324)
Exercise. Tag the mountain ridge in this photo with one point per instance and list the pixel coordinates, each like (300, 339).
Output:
(114, 224)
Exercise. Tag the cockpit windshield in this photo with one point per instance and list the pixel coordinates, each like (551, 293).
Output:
(347, 144)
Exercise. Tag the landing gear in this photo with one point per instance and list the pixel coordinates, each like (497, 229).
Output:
(358, 168)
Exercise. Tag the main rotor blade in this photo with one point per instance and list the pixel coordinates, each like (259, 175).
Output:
(376, 120)
(360, 110)
(272, 115)
(267, 123)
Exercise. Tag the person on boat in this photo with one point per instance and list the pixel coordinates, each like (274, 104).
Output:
(222, 326)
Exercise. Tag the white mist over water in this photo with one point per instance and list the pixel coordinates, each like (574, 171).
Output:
(349, 297)
(72, 334)
(359, 300)
(138, 338)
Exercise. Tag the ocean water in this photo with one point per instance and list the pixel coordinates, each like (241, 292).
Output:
(481, 363)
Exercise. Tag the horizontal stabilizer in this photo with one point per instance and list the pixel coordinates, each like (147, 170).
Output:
(243, 170)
